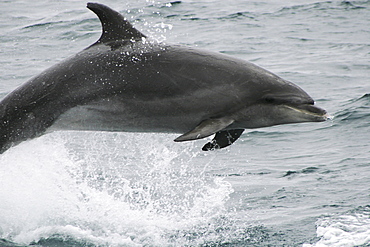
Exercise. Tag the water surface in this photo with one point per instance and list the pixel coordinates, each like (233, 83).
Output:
(292, 185)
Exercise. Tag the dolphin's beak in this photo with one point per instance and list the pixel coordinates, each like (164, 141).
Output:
(313, 112)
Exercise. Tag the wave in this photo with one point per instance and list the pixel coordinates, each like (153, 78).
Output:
(348, 229)
(252, 15)
(325, 5)
(356, 111)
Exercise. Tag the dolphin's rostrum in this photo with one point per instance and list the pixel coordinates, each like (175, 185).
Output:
(125, 82)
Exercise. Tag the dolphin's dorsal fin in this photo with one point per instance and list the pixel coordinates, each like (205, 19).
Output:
(115, 26)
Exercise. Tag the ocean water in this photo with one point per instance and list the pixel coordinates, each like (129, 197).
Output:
(292, 185)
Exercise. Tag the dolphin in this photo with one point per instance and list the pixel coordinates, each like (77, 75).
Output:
(127, 82)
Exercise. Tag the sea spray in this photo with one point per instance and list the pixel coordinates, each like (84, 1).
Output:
(113, 186)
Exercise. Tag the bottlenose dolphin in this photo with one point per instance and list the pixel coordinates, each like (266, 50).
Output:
(126, 82)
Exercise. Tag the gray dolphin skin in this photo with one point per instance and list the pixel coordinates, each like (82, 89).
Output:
(126, 82)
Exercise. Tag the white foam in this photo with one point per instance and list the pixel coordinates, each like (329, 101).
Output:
(75, 232)
(106, 188)
(343, 231)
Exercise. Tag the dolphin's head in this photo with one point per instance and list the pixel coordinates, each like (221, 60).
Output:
(282, 104)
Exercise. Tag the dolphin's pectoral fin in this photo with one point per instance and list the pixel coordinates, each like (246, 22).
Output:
(115, 26)
(205, 128)
(223, 139)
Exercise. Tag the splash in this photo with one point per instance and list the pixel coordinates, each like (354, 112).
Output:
(106, 189)
(349, 229)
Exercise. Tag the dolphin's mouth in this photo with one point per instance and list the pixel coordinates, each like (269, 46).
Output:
(313, 111)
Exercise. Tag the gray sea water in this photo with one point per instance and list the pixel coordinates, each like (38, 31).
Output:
(293, 185)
